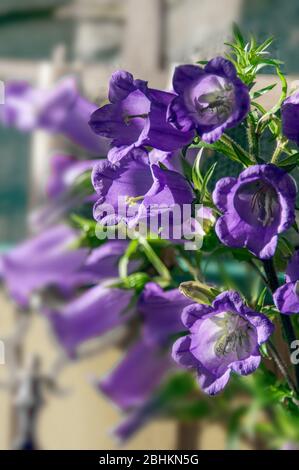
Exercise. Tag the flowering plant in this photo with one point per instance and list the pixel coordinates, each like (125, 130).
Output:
(214, 317)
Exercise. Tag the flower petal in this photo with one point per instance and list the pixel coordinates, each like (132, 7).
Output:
(286, 299)
(136, 376)
(184, 75)
(194, 312)
(211, 384)
(222, 191)
(181, 352)
(247, 366)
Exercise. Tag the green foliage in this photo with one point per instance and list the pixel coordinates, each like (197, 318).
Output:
(198, 291)
(135, 281)
(249, 57)
(124, 260)
(290, 162)
(262, 91)
(228, 147)
(87, 227)
(200, 182)
(179, 398)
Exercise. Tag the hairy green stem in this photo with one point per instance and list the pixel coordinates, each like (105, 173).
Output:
(154, 259)
(282, 367)
(285, 320)
(279, 148)
(253, 141)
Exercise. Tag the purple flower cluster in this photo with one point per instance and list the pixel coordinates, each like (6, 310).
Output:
(136, 117)
(55, 263)
(207, 100)
(141, 133)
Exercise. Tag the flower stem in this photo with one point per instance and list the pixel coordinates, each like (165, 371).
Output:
(253, 138)
(279, 148)
(282, 367)
(285, 320)
(257, 270)
(154, 259)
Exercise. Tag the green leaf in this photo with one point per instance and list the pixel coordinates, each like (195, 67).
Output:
(124, 260)
(202, 62)
(88, 229)
(273, 62)
(135, 281)
(226, 146)
(264, 350)
(239, 154)
(261, 299)
(83, 223)
(284, 91)
(197, 178)
(290, 161)
(154, 259)
(238, 35)
(82, 184)
(241, 254)
(278, 392)
(265, 45)
(262, 91)
(206, 180)
(187, 168)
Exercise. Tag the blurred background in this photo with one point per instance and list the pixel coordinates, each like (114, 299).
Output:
(43, 40)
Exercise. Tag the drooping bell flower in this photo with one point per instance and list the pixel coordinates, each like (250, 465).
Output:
(223, 338)
(100, 265)
(161, 313)
(174, 160)
(290, 117)
(210, 99)
(97, 311)
(135, 117)
(286, 297)
(64, 171)
(256, 207)
(134, 191)
(68, 188)
(59, 110)
(50, 260)
(148, 361)
(140, 371)
(135, 420)
(43, 260)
